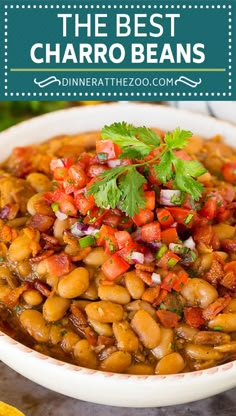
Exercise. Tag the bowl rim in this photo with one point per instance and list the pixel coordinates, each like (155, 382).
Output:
(229, 366)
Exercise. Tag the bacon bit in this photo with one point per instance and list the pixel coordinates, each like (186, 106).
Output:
(229, 245)
(12, 298)
(68, 238)
(145, 276)
(216, 272)
(193, 317)
(229, 281)
(216, 307)
(43, 207)
(58, 264)
(168, 319)
(53, 241)
(42, 256)
(8, 234)
(91, 336)
(231, 266)
(145, 267)
(106, 341)
(151, 293)
(78, 317)
(42, 287)
(162, 296)
(41, 222)
(81, 254)
(203, 234)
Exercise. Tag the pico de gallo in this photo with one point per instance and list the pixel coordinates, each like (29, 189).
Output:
(118, 249)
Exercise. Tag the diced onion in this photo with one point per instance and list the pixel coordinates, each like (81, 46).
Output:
(190, 243)
(114, 163)
(176, 248)
(79, 230)
(167, 194)
(56, 163)
(156, 279)
(60, 215)
(137, 257)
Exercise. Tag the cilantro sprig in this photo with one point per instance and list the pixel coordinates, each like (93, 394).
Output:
(122, 186)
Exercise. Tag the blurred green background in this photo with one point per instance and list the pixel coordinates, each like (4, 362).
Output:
(12, 112)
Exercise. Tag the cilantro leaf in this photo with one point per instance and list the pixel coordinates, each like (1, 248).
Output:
(105, 189)
(177, 139)
(183, 177)
(124, 136)
(132, 194)
(147, 136)
(163, 170)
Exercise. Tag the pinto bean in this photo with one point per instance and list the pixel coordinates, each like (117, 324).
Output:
(146, 328)
(134, 285)
(74, 284)
(32, 297)
(114, 293)
(39, 182)
(55, 308)
(198, 292)
(125, 337)
(170, 364)
(34, 323)
(104, 311)
(211, 338)
(202, 352)
(166, 344)
(227, 321)
(117, 362)
(96, 257)
(84, 354)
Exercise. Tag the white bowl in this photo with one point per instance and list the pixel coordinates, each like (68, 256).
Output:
(97, 386)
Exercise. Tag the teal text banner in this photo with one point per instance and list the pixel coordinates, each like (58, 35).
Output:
(145, 50)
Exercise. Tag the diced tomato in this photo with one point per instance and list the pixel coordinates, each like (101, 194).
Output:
(151, 232)
(77, 176)
(111, 219)
(193, 317)
(209, 208)
(164, 217)
(150, 200)
(67, 205)
(83, 202)
(143, 217)
(183, 216)
(203, 234)
(125, 223)
(109, 148)
(126, 254)
(105, 232)
(168, 319)
(168, 281)
(124, 239)
(181, 280)
(60, 173)
(84, 160)
(169, 235)
(110, 244)
(95, 217)
(223, 216)
(229, 172)
(181, 154)
(94, 170)
(175, 281)
(58, 264)
(168, 260)
(114, 267)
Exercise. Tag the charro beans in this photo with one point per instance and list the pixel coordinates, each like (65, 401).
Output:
(134, 285)
(198, 292)
(202, 352)
(55, 307)
(146, 328)
(226, 321)
(170, 364)
(74, 284)
(104, 311)
(32, 297)
(125, 336)
(84, 354)
(34, 323)
(166, 344)
(114, 293)
(117, 362)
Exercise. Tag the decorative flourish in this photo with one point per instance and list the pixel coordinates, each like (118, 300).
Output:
(45, 82)
(191, 83)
